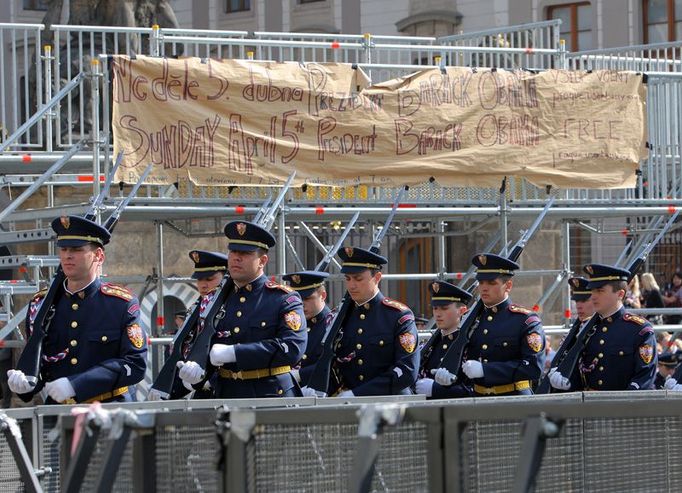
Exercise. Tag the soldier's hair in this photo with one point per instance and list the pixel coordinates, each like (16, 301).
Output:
(261, 251)
(373, 272)
(505, 278)
(618, 285)
(95, 246)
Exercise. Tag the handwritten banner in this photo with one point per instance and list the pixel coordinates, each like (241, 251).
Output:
(227, 122)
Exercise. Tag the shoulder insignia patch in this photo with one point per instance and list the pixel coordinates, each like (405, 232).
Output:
(117, 291)
(534, 341)
(281, 287)
(646, 352)
(293, 320)
(395, 304)
(136, 336)
(629, 317)
(408, 341)
(40, 294)
(519, 309)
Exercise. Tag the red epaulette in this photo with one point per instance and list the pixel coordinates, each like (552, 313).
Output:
(397, 305)
(115, 290)
(281, 287)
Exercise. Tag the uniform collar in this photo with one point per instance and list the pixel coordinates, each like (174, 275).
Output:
(257, 283)
(500, 306)
(87, 291)
(372, 301)
(453, 332)
(615, 315)
(320, 316)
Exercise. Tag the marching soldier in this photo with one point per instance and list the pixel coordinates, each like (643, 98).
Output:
(620, 353)
(95, 349)
(667, 362)
(377, 352)
(262, 332)
(310, 286)
(582, 297)
(506, 353)
(449, 305)
(209, 269)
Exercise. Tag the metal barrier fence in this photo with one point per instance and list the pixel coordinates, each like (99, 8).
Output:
(597, 442)
(529, 37)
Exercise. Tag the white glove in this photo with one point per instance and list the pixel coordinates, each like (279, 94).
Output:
(677, 388)
(297, 376)
(424, 386)
(443, 377)
(473, 369)
(153, 395)
(221, 354)
(60, 389)
(190, 372)
(18, 383)
(558, 381)
(308, 392)
(346, 393)
(670, 382)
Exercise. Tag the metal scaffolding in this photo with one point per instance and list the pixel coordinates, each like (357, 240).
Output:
(69, 108)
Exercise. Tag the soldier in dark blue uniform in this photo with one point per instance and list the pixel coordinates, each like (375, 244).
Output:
(262, 333)
(506, 353)
(209, 270)
(620, 353)
(581, 296)
(449, 305)
(95, 349)
(310, 286)
(377, 352)
(667, 362)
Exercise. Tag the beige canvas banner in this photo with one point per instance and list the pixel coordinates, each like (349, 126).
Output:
(247, 122)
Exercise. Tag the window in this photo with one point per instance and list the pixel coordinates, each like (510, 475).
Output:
(662, 20)
(237, 5)
(576, 24)
(35, 4)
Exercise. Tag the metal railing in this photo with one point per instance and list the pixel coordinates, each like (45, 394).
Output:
(533, 38)
(597, 441)
(20, 73)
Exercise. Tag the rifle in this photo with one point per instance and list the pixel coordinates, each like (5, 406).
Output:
(202, 340)
(452, 360)
(319, 379)
(568, 360)
(323, 264)
(29, 361)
